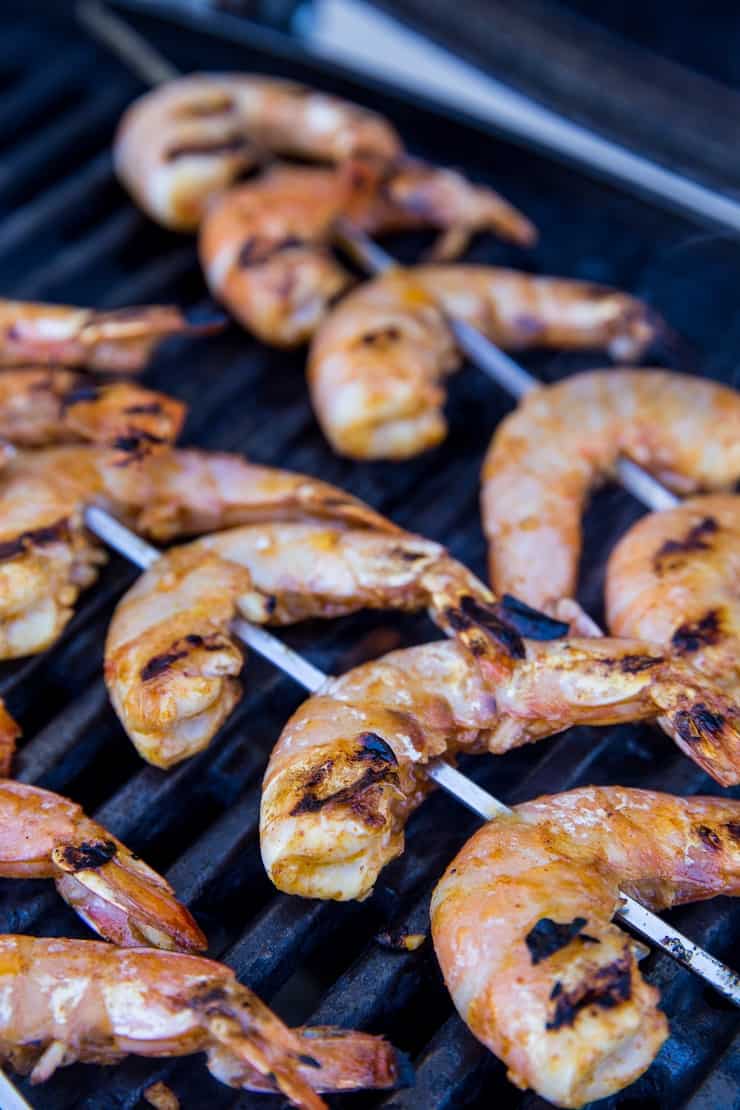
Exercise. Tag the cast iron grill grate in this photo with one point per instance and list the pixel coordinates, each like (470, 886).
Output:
(67, 232)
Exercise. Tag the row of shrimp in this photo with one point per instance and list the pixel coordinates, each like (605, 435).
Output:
(348, 769)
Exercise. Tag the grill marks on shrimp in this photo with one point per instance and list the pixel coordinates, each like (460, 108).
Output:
(606, 987)
(671, 553)
(380, 766)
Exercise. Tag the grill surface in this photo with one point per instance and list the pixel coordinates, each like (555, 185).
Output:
(67, 232)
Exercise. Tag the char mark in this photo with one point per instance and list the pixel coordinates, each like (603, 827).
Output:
(668, 556)
(381, 336)
(634, 664)
(702, 633)
(472, 613)
(233, 144)
(89, 855)
(709, 837)
(548, 937)
(355, 796)
(158, 664)
(258, 249)
(531, 623)
(153, 408)
(35, 537)
(79, 395)
(733, 828)
(606, 987)
(698, 723)
(373, 746)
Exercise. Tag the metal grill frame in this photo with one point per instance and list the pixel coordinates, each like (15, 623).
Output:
(68, 232)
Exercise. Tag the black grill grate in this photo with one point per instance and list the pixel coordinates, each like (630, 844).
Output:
(67, 232)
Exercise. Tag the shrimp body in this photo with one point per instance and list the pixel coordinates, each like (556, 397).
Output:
(46, 836)
(118, 341)
(70, 1000)
(47, 557)
(9, 733)
(171, 660)
(47, 406)
(377, 365)
(188, 139)
(265, 245)
(349, 766)
(564, 439)
(674, 578)
(521, 922)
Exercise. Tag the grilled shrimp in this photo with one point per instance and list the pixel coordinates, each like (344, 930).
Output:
(45, 406)
(378, 363)
(118, 341)
(521, 922)
(46, 836)
(172, 664)
(190, 138)
(70, 1000)
(564, 439)
(674, 579)
(348, 768)
(265, 245)
(47, 557)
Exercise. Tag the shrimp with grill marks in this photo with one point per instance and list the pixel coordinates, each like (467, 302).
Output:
(564, 439)
(46, 406)
(522, 928)
(377, 364)
(47, 557)
(265, 246)
(46, 836)
(172, 663)
(120, 340)
(674, 579)
(188, 139)
(349, 767)
(70, 1000)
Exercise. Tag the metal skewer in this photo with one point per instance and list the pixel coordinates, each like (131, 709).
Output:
(642, 920)
(10, 1097)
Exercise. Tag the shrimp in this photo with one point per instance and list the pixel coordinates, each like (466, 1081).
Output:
(172, 663)
(70, 1000)
(46, 836)
(186, 140)
(564, 440)
(9, 733)
(675, 579)
(377, 364)
(521, 922)
(121, 340)
(349, 767)
(265, 245)
(46, 406)
(47, 557)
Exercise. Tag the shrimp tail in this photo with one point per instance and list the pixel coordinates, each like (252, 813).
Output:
(705, 724)
(120, 897)
(344, 1060)
(9, 732)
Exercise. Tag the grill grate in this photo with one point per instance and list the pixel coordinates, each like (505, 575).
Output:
(67, 232)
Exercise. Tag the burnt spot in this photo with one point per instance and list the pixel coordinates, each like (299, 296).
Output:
(209, 643)
(548, 937)
(89, 855)
(354, 796)
(153, 408)
(80, 395)
(380, 337)
(485, 617)
(309, 1061)
(702, 633)
(733, 830)
(634, 664)
(698, 723)
(697, 538)
(709, 837)
(35, 537)
(232, 144)
(375, 747)
(531, 623)
(606, 987)
(256, 249)
(405, 556)
(158, 664)
(131, 444)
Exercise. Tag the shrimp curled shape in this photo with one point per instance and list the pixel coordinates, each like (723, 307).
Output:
(121, 340)
(674, 579)
(521, 922)
(564, 440)
(378, 363)
(348, 769)
(96, 1003)
(190, 138)
(47, 557)
(47, 406)
(172, 662)
(265, 246)
(46, 836)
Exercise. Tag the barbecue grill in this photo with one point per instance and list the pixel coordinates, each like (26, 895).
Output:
(69, 233)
